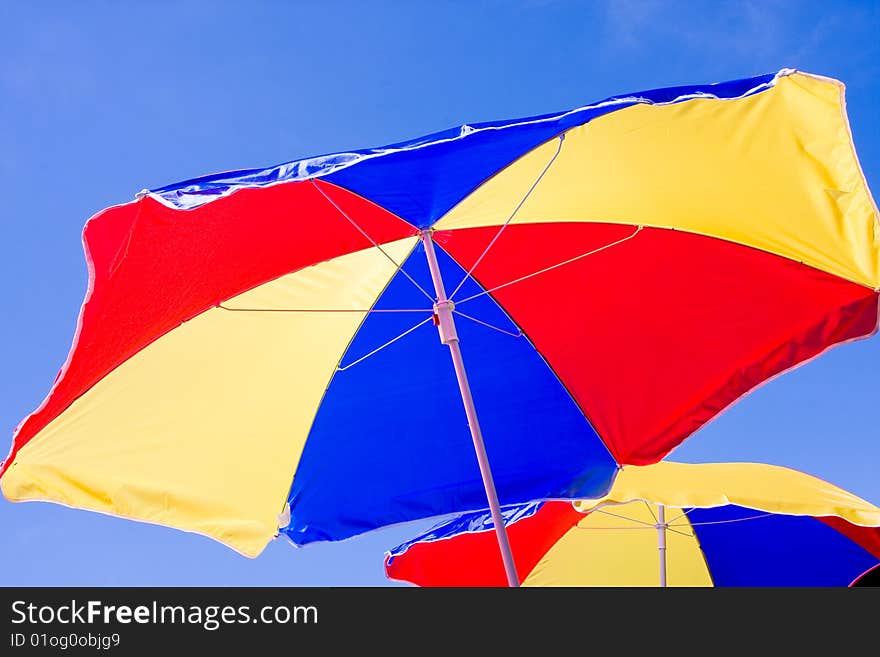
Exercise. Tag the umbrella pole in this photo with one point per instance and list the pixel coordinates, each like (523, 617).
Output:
(448, 336)
(661, 541)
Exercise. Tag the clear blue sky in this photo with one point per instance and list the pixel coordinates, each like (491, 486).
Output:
(99, 100)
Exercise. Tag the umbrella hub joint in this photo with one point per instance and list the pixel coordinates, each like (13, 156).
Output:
(444, 322)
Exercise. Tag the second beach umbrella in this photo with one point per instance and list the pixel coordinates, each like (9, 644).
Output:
(675, 524)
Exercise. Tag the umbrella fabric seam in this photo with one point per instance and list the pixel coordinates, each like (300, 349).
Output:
(398, 266)
(470, 271)
(335, 371)
(648, 226)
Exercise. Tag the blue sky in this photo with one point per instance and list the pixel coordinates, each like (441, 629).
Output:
(99, 100)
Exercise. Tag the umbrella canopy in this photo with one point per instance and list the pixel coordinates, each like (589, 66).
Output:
(727, 524)
(261, 343)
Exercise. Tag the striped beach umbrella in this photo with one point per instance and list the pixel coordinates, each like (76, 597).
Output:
(348, 341)
(675, 524)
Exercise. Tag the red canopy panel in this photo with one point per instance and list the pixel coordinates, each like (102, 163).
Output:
(657, 334)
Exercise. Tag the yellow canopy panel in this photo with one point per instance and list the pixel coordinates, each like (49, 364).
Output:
(768, 488)
(776, 171)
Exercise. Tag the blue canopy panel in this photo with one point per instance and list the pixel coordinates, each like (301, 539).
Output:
(746, 547)
(539, 443)
(475, 521)
(422, 179)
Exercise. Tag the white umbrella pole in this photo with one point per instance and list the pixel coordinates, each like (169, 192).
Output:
(448, 336)
(661, 541)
